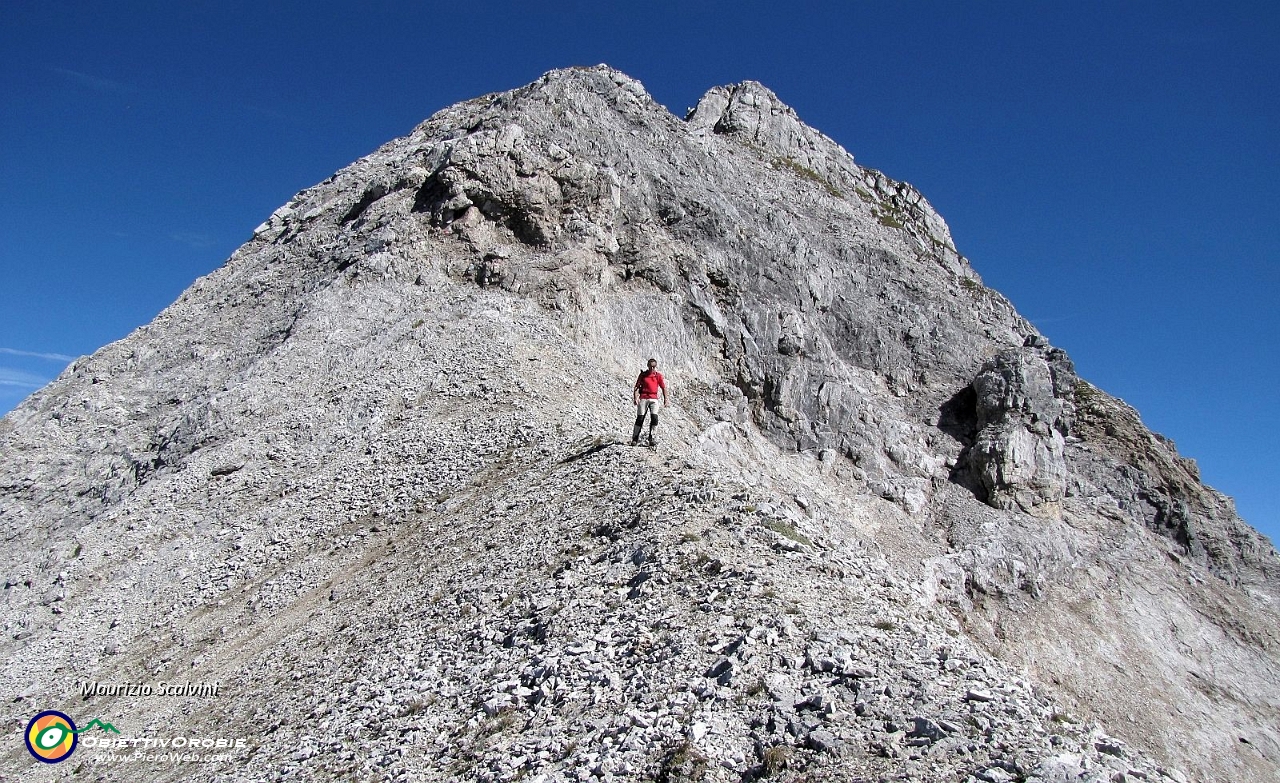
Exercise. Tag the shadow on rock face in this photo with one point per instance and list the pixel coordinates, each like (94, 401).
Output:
(958, 417)
(1011, 420)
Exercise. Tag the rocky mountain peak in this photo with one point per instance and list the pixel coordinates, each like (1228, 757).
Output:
(752, 113)
(372, 475)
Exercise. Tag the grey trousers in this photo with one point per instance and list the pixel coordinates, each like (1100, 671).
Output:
(646, 408)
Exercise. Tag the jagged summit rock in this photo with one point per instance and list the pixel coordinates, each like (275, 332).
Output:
(368, 477)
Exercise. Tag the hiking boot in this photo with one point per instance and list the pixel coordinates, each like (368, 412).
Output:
(653, 441)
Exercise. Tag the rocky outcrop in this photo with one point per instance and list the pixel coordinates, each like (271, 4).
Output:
(1023, 408)
(368, 476)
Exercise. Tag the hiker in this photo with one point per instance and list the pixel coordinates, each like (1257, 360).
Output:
(645, 396)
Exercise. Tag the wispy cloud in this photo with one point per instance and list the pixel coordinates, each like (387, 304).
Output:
(21, 379)
(193, 239)
(94, 82)
(53, 357)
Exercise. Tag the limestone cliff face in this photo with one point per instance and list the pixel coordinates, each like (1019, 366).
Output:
(884, 501)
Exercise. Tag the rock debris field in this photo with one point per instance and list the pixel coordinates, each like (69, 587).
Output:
(371, 477)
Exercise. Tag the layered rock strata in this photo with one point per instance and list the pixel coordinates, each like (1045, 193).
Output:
(366, 476)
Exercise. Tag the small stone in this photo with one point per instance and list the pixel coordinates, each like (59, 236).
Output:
(227, 469)
(721, 669)
(926, 729)
(822, 741)
(948, 726)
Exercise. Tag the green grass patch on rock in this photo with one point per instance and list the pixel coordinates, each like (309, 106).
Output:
(787, 531)
(804, 172)
(887, 219)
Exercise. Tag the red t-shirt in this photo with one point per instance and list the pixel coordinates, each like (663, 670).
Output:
(648, 383)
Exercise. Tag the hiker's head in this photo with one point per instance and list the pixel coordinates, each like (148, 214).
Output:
(653, 364)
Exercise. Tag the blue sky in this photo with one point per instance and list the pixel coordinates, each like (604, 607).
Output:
(1113, 168)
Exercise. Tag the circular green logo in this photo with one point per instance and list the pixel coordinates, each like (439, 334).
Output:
(51, 736)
